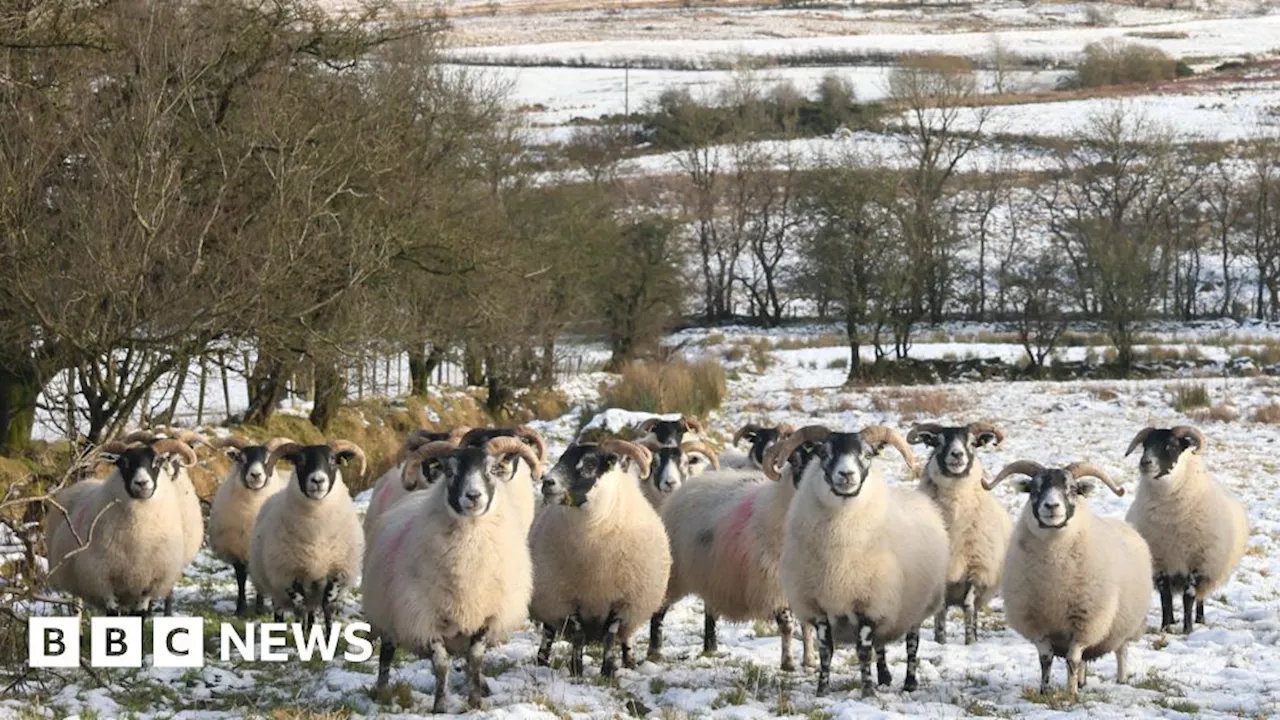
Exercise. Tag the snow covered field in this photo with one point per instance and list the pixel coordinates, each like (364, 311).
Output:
(1227, 668)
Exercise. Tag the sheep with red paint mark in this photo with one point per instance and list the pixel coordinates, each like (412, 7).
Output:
(726, 534)
(407, 474)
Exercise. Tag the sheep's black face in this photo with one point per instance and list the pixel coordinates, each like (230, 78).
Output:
(672, 466)
(669, 433)
(1054, 495)
(140, 469)
(761, 440)
(954, 448)
(254, 465)
(801, 457)
(316, 468)
(1160, 452)
(578, 473)
(846, 462)
(472, 476)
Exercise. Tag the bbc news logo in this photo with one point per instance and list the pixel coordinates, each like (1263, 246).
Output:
(179, 642)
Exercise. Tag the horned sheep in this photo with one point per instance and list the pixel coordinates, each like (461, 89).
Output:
(861, 558)
(449, 570)
(600, 553)
(307, 541)
(1195, 528)
(523, 483)
(760, 438)
(1076, 585)
(978, 526)
(406, 475)
(672, 466)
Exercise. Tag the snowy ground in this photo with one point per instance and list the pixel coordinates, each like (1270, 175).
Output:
(1228, 668)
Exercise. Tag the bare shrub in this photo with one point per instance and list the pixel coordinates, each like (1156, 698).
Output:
(692, 388)
(916, 404)
(1187, 397)
(1269, 414)
(1115, 62)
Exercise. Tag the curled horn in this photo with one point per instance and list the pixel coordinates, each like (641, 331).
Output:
(1182, 431)
(913, 436)
(785, 429)
(691, 423)
(742, 432)
(190, 437)
(276, 442)
(429, 451)
(879, 434)
(639, 453)
(647, 425)
(1030, 468)
(698, 446)
(142, 436)
(456, 434)
(783, 448)
(1138, 439)
(114, 447)
(1084, 469)
(529, 433)
(504, 445)
(282, 450)
(230, 441)
(348, 446)
(986, 427)
(175, 446)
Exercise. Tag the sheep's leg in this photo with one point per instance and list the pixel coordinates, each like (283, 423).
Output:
(475, 661)
(1122, 670)
(1188, 606)
(168, 605)
(332, 589)
(1199, 612)
(970, 614)
(242, 576)
(655, 635)
(883, 676)
(1075, 656)
(608, 654)
(579, 637)
(259, 601)
(865, 631)
(386, 653)
(544, 648)
(628, 659)
(440, 662)
(940, 625)
(826, 648)
(709, 642)
(786, 627)
(807, 646)
(1084, 673)
(913, 660)
(1046, 665)
(1164, 585)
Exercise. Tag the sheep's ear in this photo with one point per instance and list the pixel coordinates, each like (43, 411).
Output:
(1084, 487)
(1024, 485)
(697, 458)
(433, 470)
(344, 456)
(1188, 443)
(927, 438)
(986, 438)
(109, 458)
(235, 454)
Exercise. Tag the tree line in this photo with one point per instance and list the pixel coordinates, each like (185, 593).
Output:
(180, 178)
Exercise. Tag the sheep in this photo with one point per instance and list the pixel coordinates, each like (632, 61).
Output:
(761, 439)
(192, 515)
(670, 433)
(977, 524)
(726, 541)
(406, 475)
(524, 480)
(672, 466)
(253, 478)
(860, 556)
(1195, 528)
(120, 544)
(449, 569)
(600, 553)
(307, 541)
(1075, 584)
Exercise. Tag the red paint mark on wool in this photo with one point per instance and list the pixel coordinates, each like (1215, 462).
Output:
(737, 528)
(380, 497)
(78, 521)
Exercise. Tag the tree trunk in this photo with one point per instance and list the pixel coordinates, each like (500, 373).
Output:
(547, 362)
(330, 391)
(266, 390)
(473, 367)
(18, 393)
(421, 365)
(500, 393)
(855, 345)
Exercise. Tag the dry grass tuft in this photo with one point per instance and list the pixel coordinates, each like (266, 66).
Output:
(1218, 413)
(693, 388)
(1190, 396)
(1269, 414)
(916, 404)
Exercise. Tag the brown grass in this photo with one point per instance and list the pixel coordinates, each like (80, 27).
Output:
(1269, 414)
(1216, 413)
(1158, 34)
(693, 388)
(1190, 396)
(916, 404)
(1104, 394)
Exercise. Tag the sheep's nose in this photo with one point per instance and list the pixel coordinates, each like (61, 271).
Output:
(474, 495)
(1052, 505)
(846, 475)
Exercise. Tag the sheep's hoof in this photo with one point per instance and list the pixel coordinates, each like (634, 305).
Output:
(868, 691)
(788, 665)
(910, 684)
(475, 700)
(654, 656)
(608, 669)
(437, 708)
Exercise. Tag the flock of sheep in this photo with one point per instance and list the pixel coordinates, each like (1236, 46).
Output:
(455, 552)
